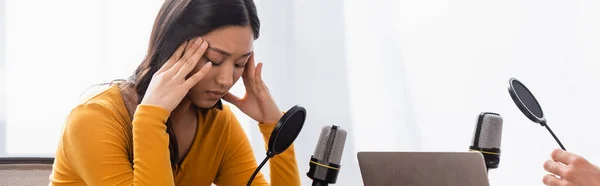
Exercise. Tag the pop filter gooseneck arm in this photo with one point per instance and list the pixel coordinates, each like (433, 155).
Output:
(283, 135)
(269, 156)
(543, 123)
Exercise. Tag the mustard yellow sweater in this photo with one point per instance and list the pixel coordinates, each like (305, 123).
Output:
(101, 145)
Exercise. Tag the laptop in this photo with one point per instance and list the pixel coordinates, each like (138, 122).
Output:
(423, 168)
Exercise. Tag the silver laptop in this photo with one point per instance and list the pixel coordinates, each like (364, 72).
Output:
(423, 168)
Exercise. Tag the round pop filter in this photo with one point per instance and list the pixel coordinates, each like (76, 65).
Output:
(286, 130)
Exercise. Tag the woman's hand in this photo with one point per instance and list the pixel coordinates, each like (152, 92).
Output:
(258, 102)
(570, 169)
(169, 85)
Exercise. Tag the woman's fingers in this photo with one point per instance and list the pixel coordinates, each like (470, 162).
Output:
(192, 49)
(229, 97)
(248, 75)
(190, 64)
(190, 82)
(258, 82)
(174, 58)
(187, 54)
(552, 180)
(555, 167)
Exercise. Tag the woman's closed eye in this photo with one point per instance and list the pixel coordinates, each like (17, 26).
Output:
(239, 64)
(214, 62)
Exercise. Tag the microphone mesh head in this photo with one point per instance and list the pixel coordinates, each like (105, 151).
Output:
(320, 150)
(490, 131)
(337, 147)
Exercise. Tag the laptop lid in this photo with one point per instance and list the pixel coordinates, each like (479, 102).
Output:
(423, 168)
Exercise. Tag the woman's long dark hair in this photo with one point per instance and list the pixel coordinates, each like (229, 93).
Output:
(179, 21)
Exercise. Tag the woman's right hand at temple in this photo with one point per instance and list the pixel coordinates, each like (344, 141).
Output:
(169, 84)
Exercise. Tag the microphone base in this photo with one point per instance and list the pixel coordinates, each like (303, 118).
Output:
(490, 156)
(325, 173)
(318, 183)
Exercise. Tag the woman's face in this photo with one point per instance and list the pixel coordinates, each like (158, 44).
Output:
(229, 49)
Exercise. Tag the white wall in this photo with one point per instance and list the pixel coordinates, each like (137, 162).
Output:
(2, 79)
(56, 50)
(398, 75)
(446, 61)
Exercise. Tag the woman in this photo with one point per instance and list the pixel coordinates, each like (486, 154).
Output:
(166, 124)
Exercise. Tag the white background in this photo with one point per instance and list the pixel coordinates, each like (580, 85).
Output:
(398, 75)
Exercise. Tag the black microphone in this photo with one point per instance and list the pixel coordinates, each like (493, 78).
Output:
(487, 138)
(325, 162)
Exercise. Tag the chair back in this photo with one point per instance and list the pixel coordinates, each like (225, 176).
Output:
(25, 171)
